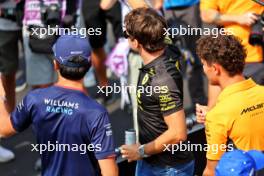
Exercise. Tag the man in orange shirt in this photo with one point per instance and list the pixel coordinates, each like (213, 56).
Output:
(237, 17)
(238, 115)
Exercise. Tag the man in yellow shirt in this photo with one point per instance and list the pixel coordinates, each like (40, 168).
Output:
(238, 17)
(238, 115)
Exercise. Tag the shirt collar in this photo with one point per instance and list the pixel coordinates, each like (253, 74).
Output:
(237, 87)
(154, 62)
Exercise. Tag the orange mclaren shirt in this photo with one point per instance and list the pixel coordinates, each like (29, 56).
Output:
(239, 116)
(236, 7)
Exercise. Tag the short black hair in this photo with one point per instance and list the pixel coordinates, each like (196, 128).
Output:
(225, 50)
(74, 73)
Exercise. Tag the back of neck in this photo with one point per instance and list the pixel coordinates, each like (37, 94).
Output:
(228, 81)
(70, 83)
(149, 57)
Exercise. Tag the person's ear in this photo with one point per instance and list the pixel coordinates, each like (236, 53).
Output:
(216, 69)
(134, 43)
(56, 65)
(138, 46)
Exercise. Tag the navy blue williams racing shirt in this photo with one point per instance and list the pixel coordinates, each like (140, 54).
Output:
(77, 126)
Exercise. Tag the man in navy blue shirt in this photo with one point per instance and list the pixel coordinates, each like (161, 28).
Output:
(73, 132)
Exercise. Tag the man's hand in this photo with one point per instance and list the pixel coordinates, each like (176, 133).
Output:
(130, 152)
(201, 112)
(247, 19)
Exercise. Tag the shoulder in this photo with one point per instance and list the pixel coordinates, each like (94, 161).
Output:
(37, 93)
(92, 111)
(168, 71)
(33, 96)
(172, 59)
(163, 78)
(95, 114)
(94, 106)
(173, 50)
(260, 89)
(209, 4)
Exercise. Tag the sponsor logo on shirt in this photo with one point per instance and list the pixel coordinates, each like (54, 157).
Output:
(252, 108)
(60, 106)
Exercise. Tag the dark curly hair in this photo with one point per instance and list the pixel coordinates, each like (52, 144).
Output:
(225, 50)
(148, 27)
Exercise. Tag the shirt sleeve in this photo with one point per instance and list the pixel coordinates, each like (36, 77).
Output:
(208, 4)
(168, 92)
(20, 117)
(216, 130)
(102, 137)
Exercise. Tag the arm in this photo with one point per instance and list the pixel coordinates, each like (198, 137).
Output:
(215, 17)
(177, 132)
(158, 4)
(107, 4)
(210, 168)
(137, 3)
(70, 17)
(217, 129)
(108, 167)
(6, 127)
(101, 135)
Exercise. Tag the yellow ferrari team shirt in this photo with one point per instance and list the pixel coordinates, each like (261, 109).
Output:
(237, 116)
(238, 7)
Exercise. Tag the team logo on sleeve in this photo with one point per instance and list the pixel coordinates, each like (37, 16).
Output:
(108, 129)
